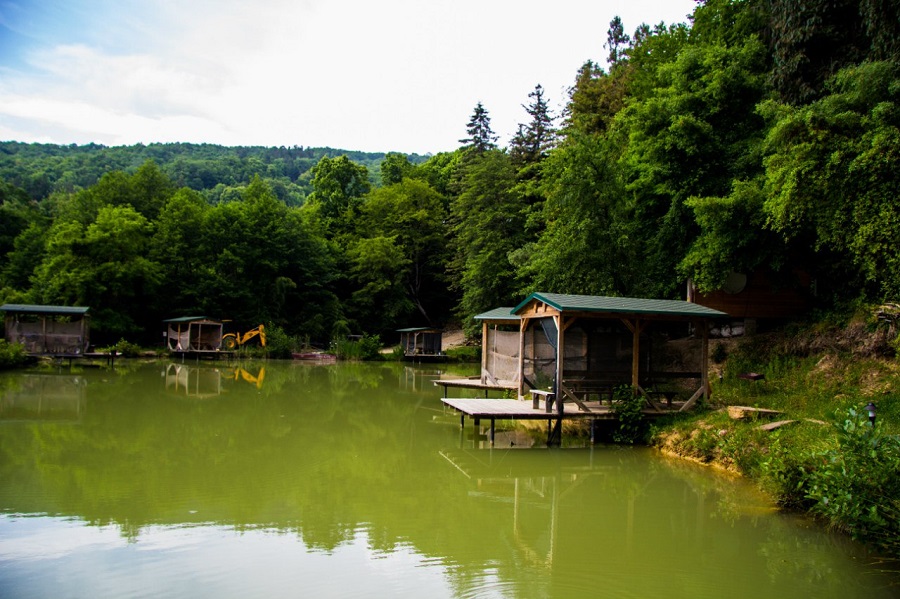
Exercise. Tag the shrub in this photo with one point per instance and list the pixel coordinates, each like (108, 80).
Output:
(123, 348)
(12, 355)
(368, 347)
(857, 486)
(278, 343)
(631, 425)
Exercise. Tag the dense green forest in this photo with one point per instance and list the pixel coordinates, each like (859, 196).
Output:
(761, 135)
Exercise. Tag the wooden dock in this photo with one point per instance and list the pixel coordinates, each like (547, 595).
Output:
(514, 409)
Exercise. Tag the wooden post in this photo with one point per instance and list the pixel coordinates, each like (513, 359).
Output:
(560, 357)
(484, 351)
(523, 324)
(704, 360)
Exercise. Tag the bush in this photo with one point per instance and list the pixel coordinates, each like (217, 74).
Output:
(367, 347)
(12, 355)
(857, 486)
(631, 424)
(123, 348)
(278, 343)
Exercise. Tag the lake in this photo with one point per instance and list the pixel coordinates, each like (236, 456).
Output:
(281, 479)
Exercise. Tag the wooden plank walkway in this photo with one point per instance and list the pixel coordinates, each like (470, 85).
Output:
(514, 409)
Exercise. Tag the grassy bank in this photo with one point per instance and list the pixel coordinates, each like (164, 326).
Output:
(828, 459)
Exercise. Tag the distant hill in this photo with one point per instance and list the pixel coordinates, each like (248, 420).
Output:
(43, 169)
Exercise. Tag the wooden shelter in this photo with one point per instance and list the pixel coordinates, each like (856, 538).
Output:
(578, 347)
(60, 331)
(420, 343)
(193, 335)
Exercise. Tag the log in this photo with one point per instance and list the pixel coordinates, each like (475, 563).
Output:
(747, 413)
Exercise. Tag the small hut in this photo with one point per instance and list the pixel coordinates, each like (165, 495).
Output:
(61, 331)
(421, 343)
(193, 335)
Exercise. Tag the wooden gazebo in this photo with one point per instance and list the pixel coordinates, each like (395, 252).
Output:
(61, 331)
(576, 346)
(421, 343)
(197, 335)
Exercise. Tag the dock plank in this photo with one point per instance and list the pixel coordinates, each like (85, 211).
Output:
(514, 409)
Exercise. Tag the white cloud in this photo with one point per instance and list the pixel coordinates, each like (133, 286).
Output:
(391, 75)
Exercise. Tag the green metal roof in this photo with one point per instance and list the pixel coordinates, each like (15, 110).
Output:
(621, 305)
(187, 319)
(418, 330)
(37, 309)
(505, 313)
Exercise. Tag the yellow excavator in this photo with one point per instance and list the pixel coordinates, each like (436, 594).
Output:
(231, 341)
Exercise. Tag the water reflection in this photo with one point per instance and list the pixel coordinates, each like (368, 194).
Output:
(46, 397)
(327, 467)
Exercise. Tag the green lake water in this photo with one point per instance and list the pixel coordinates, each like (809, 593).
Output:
(284, 479)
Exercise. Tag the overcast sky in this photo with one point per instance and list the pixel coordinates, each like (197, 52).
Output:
(376, 76)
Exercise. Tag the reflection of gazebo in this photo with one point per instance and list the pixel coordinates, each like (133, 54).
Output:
(193, 381)
(421, 343)
(193, 334)
(48, 330)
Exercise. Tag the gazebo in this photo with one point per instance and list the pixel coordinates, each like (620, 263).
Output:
(62, 331)
(577, 346)
(194, 335)
(421, 343)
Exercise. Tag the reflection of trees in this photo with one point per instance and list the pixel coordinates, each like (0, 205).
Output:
(330, 453)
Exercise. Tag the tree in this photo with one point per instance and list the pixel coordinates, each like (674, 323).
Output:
(395, 167)
(694, 137)
(586, 247)
(616, 42)
(487, 225)
(534, 140)
(339, 186)
(831, 178)
(481, 137)
(410, 217)
(103, 265)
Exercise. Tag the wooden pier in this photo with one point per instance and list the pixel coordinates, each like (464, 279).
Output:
(479, 409)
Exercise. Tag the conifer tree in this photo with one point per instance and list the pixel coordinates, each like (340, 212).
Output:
(481, 137)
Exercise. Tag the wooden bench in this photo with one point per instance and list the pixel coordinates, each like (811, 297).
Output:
(548, 396)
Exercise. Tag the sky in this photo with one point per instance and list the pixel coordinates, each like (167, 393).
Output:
(373, 76)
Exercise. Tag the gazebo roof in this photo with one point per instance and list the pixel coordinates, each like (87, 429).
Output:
(38, 309)
(505, 313)
(190, 319)
(620, 305)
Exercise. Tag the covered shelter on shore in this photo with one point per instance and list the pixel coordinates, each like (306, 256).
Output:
(193, 335)
(59, 331)
(579, 347)
(420, 343)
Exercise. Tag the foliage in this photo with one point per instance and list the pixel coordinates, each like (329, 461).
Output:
(831, 176)
(464, 353)
(631, 426)
(486, 228)
(367, 347)
(12, 355)
(123, 348)
(481, 137)
(279, 344)
(856, 486)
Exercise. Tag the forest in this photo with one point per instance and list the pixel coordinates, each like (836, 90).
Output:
(762, 135)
